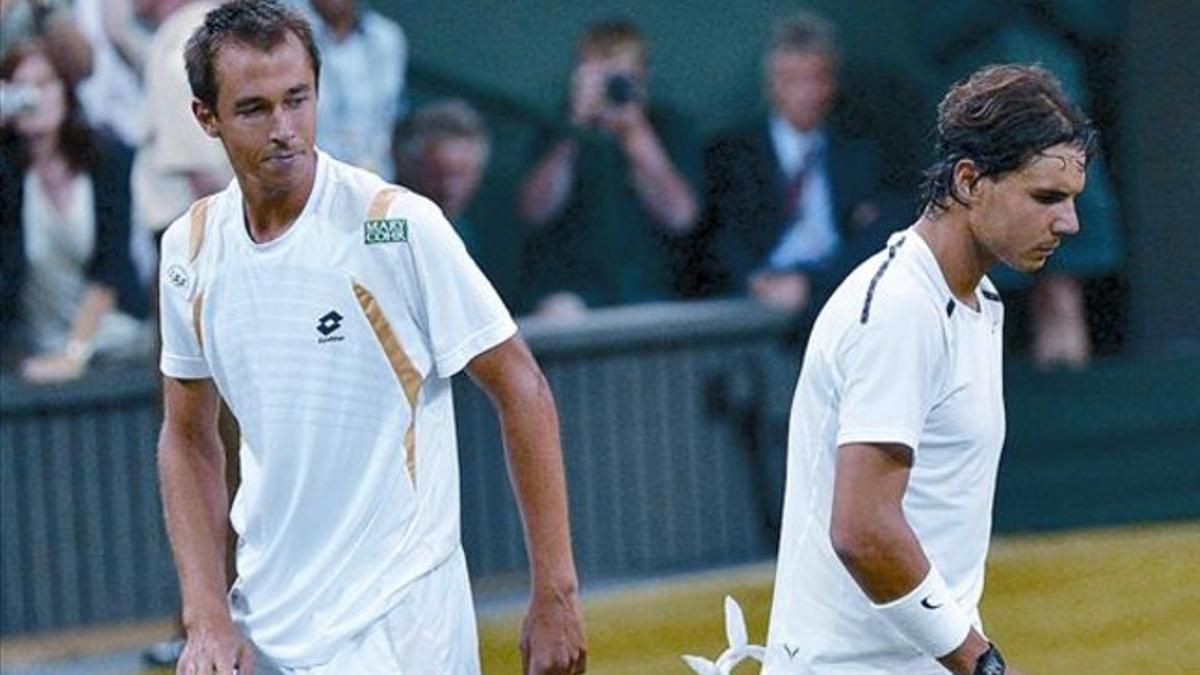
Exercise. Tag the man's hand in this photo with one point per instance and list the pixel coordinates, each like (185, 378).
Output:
(552, 636)
(587, 93)
(784, 290)
(215, 648)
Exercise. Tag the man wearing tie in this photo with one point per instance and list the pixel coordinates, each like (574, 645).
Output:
(791, 204)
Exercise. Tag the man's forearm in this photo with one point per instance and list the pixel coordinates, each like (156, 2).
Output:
(545, 192)
(195, 502)
(537, 474)
(659, 186)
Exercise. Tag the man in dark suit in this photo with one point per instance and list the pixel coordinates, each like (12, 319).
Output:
(792, 206)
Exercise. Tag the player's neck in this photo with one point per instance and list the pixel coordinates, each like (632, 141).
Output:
(270, 210)
(958, 255)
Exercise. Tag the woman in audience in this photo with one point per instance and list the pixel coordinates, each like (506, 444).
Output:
(68, 289)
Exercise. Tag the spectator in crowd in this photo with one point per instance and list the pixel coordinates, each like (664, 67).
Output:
(440, 151)
(792, 205)
(609, 199)
(112, 96)
(68, 290)
(178, 163)
(364, 59)
(51, 22)
(1055, 33)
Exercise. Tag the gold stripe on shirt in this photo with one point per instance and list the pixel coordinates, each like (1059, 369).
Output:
(199, 214)
(408, 375)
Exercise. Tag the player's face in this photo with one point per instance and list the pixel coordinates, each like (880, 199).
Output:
(802, 86)
(1022, 217)
(266, 114)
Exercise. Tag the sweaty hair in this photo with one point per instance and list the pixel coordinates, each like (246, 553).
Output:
(450, 119)
(611, 37)
(1001, 117)
(804, 32)
(262, 24)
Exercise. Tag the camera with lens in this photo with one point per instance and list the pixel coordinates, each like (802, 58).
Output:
(621, 89)
(17, 98)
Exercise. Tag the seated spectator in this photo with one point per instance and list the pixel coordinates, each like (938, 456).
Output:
(364, 58)
(960, 36)
(792, 205)
(177, 163)
(440, 151)
(68, 286)
(607, 199)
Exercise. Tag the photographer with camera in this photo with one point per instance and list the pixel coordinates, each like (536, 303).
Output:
(608, 199)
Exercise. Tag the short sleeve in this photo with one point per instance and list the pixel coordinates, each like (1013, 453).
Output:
(893, 368)
(463, 314)
(179, 304)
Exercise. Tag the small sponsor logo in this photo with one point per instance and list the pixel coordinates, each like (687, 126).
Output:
(386, 231)
(328, 325)
(177, 275)
(929, 605)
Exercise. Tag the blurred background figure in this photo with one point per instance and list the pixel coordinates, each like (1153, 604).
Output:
(962, 35)
(608, 198)
(441, 151)
(119, 37)
(177, 163)
(69, 290)
(792, 204)
(364, 58)
(52, 23)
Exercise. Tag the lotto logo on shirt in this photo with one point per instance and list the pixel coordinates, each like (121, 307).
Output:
(385, 231)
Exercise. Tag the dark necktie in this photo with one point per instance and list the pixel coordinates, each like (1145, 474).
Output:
(793, 208)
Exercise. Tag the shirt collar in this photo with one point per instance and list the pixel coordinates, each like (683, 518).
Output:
(794, 147)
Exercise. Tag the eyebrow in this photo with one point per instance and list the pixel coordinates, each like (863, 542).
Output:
(257, 100)
(1052, 193)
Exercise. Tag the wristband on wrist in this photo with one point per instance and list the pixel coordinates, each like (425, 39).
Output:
(928, 617)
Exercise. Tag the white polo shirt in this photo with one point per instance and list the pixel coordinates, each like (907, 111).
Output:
(333, 345)
(893, 358)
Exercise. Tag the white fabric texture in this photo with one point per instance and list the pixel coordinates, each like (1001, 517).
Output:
(430, 631)
(332, 525)
(892, 358)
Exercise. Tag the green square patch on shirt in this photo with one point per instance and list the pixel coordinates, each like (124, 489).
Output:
(385, 231)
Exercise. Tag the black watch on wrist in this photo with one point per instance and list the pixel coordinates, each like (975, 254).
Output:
(990, 662)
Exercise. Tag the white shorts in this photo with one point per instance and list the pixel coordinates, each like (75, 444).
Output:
(431, 631)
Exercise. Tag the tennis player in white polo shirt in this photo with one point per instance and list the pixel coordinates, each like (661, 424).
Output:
(330, 310)
(898, 418)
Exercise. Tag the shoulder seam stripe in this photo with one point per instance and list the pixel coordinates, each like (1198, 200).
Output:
(382, 201)
(866, 310)
(199, 216)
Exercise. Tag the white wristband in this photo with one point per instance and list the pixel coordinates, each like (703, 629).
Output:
(928, 617)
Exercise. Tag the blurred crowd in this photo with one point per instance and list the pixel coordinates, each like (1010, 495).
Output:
(622, 202)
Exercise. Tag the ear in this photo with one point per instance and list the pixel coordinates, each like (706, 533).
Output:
(966, 181)
(206, 116)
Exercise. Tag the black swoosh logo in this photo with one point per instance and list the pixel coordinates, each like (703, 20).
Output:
(927, 605)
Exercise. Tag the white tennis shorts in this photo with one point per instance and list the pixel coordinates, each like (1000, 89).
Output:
(432, 631)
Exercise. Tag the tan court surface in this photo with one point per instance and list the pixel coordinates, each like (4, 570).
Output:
(1108, 601)
(1120, 602)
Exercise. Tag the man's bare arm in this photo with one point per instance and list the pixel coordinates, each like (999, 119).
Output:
(553, 636)
(874, 541)
(191, 465)
(545, 191)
